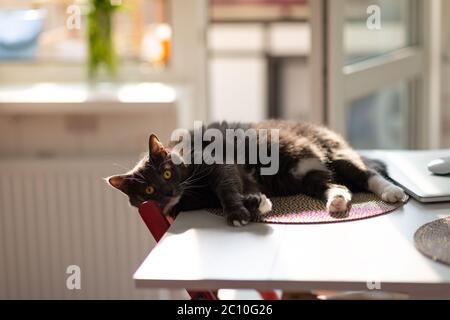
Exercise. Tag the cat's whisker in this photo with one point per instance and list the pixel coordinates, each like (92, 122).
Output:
(134, 179)
(140, 175)
(194, 177)
(195, 186)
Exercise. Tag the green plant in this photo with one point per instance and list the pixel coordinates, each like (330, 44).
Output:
(100, 37)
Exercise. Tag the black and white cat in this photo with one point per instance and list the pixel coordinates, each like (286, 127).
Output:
(312, 160)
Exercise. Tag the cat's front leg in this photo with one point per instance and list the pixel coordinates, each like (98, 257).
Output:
(233, 206)
(237, 217)
(254, 206)
(227, 185)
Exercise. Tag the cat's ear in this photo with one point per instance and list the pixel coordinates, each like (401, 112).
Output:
(155, 147)
(117, 182)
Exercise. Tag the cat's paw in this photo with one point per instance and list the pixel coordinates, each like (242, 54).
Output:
(238, 217)
(257, 204)
(338, 204)
(338, 200)
(393, 194)
(265, 205)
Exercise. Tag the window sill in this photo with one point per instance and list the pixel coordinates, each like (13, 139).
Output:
(81, 98)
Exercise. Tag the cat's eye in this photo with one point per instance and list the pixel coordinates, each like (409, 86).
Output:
(149, 190)
(167, 174)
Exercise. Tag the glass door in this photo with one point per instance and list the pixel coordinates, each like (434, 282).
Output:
(382, 83)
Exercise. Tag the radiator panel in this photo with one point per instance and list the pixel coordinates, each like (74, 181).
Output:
(60, 212)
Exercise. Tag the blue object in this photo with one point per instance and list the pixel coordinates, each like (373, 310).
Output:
(19, 33)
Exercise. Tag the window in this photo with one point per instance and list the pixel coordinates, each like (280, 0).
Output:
(56, 31)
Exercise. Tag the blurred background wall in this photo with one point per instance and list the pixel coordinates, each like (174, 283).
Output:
(62, 132)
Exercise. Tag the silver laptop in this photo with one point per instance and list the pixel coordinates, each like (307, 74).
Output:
(409, 170)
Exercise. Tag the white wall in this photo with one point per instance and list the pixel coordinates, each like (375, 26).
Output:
(82, 135)
(238, 74)
(238, 88)
(296, 90)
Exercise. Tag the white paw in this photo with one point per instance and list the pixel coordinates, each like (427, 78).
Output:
(337, 204)
(265, 206)
(393, 194)
(239, 223)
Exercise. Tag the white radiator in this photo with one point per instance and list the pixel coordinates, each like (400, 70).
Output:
(57, 213)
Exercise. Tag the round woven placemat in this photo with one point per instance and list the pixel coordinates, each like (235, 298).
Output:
(433, 240)
(302, 209)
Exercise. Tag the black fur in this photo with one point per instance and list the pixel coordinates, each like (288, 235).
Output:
(237, 188)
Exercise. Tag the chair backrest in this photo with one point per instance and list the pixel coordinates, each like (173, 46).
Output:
(156, 222)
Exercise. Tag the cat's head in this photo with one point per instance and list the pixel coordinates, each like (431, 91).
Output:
(156, 177)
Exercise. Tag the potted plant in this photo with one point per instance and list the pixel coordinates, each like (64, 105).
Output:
(100, 37)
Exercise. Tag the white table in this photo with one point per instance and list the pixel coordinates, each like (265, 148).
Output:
(201, 252)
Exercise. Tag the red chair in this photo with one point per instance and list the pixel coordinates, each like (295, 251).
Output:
(158, 224)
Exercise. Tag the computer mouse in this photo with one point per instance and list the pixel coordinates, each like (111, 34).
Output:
(440, 166)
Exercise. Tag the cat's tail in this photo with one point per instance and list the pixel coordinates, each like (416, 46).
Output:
(376, 165)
